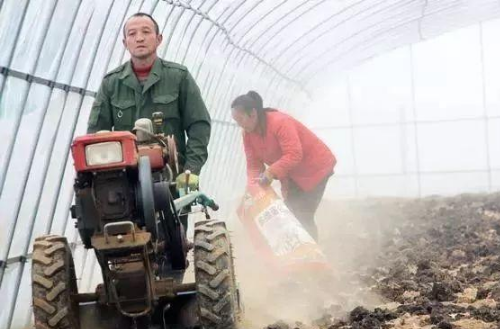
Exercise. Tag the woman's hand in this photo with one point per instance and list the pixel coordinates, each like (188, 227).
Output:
(266, 178)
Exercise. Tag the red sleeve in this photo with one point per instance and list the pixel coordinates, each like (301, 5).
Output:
(254, 164)
(291, 149)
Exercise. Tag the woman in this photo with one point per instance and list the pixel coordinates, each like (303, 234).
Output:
(293, 154)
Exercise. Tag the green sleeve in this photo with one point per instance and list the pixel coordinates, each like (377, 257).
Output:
(100, 115)
(196, 123)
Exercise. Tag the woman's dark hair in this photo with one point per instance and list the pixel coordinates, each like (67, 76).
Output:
(252, 100)
(248, 102)
(259, 103)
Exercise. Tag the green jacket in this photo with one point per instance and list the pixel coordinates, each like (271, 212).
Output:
(171, 89)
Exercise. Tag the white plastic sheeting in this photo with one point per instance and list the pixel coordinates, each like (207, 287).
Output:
(388, 127)
(420, 120)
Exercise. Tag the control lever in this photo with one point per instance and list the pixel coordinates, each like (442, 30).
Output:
(158, 122)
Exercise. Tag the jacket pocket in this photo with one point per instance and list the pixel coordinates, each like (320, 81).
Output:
(172, 123)
(123, 114)
(168, 105)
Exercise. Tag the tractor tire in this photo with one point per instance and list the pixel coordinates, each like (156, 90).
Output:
(217, 295)
(54, 285)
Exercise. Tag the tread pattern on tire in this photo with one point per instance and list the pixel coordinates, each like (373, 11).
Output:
(215, 279)
(53, 283)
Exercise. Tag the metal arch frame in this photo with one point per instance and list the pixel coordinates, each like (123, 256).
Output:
(251, 43)
(485, 107)
(345, 39)
(415, 124)
(317, 26)
(266, 31)
(378, 34)
(210, 73)
(219, 160)
(225, 32)
(195, 30)
(229, 90)
(247, 29)
(47, 160)
(170, 13)
(238, 20)
(200, 64)
(21, 267)
(184, 32)
(210, 43)
(352, 136)
(66, 157)
(223, 97)
(329, 30)
(243, 57)
(423, 15)
(4, 167)
(213, 38)
(10, 148)
(219, 27)
(226, 132)
(226, 41)
(228, 57)
(226, 176)
(219, 75)
(173, 29)
(292, 21)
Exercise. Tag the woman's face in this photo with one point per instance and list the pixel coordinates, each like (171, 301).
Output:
(246, 121)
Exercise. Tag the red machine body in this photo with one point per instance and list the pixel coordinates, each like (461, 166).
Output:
(155, 154)
(129, 150)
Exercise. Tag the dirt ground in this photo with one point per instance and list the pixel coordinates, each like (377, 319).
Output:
(398, 263)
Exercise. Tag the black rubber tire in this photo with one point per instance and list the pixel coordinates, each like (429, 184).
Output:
(54, 285)
(173, 231)
(218, 304)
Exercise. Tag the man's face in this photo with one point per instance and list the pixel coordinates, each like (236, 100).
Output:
(141, 39)
(246, 121)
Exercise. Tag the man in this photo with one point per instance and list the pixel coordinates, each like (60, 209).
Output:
(148, 84)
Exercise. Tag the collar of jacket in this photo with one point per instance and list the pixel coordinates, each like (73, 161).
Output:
(129, 78)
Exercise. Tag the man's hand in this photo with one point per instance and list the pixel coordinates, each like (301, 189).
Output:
(192, 181)
(266, 178)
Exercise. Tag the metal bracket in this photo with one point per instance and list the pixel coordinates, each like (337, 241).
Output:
(123, 223)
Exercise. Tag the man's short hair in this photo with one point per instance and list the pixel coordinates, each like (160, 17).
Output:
(140, 14)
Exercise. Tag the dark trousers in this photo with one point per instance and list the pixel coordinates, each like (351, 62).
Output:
(304, 204)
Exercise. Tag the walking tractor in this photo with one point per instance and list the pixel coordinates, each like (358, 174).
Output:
(125, 210)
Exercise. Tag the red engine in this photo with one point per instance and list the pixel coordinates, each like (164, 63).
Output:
(108, 150)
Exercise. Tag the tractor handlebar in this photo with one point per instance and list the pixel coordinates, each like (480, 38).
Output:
(197, 197)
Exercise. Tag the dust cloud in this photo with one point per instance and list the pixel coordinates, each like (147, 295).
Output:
(350, 238)
(396, 263)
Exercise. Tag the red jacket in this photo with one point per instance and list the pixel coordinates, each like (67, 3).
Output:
(290, 150)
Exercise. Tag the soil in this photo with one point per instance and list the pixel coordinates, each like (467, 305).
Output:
(401, 263)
